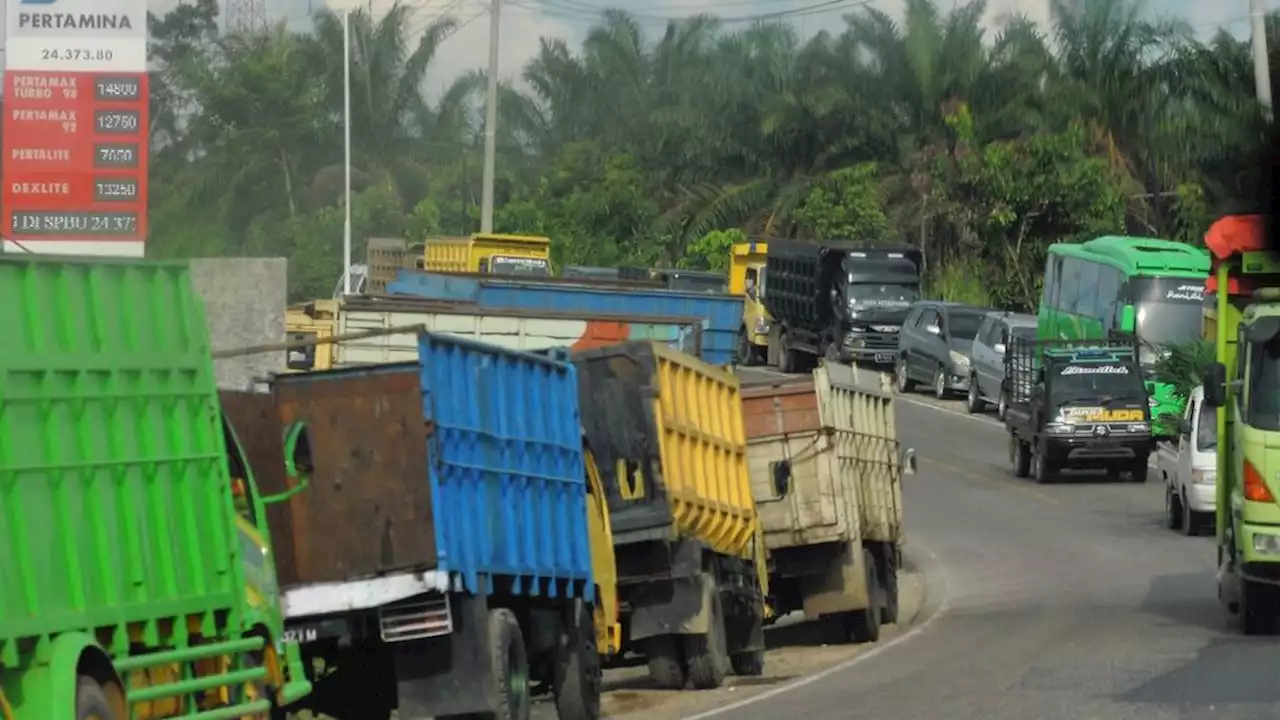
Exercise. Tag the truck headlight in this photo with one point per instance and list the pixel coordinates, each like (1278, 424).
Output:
(1060, 428)
(959, 360)
(1200, 476)
(1265, 544)
(1140, 428)
(1152, 402)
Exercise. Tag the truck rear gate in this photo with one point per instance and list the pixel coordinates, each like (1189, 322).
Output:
(444, 533)
(119, 545)
(826, 475)
(666, 430)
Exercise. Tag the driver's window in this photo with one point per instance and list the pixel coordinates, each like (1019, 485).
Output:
(752, 278)
(1242, 359)
(484, 265)
(241, 489)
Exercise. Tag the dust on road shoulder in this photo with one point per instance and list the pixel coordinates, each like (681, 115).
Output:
(795, 650)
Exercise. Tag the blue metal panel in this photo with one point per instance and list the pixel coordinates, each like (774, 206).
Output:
(723, 313)
(506, 467)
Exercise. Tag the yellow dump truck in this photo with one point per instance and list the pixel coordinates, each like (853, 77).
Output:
(491, 254)
(746, 278)
(826, 474)
(311, 322)
(666, 431)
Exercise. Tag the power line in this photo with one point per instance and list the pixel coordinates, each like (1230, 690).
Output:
(577, 10)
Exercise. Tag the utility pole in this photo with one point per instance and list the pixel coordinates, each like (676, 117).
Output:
(346, 130)
(490, 124)
(1261, 68)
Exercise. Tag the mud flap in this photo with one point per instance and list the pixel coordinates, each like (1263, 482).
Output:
(448, 675)
(686, 611)
(843, 587)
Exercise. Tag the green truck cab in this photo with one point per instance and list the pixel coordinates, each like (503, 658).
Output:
(1076, 405)
(139, 580)
(1244, 384)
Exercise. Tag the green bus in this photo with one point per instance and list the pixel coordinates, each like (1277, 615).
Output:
(1151, 288)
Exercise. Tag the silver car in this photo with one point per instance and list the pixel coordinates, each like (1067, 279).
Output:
(987, 368)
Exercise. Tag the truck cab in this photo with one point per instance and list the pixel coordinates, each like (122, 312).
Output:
(1188, 464)
(1084, 409)
(746, 278)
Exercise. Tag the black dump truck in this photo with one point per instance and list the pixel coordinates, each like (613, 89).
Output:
(1076, 405)
(837, 300)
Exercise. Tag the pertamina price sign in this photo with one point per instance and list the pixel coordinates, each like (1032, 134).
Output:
(76, 126)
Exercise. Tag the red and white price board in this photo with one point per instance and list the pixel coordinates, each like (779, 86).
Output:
(75, 138)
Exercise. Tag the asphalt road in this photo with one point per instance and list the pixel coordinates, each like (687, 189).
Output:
(1068, 600)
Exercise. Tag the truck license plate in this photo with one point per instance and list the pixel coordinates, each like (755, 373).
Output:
(885, 358)
(300, 635)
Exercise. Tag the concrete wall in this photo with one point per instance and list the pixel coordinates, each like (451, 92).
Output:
(244, 303)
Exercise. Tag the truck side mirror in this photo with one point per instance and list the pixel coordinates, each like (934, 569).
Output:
(999, 348)
(1215, 385)
(909, 461)
(782, 478)
(1184, 426)
(933, 330)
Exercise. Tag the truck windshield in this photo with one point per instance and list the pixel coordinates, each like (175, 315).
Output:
(867, 295)
(1097, 383)
(1167, 311)
(1264, 385)
(504, 265)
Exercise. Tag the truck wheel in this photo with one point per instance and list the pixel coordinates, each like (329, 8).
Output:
(903, 378)
(1172, 509)
(578, 679)
(1040, 467)
(889, 613)
(864, 625)
(1020, 456)
(1257, 608)
(746, 352)
(91, 701)
(666, 666)
(1138, 471)
(786, 357)
(750, 663)
(708, 655)
(1002, 407)
(940, 384)
(974, 403)
(510, 665)
(1188, 521)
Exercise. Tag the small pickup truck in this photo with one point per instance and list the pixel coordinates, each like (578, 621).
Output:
(1188, 464)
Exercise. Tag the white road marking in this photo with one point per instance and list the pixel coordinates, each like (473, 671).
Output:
(984, 419)
(841, 667)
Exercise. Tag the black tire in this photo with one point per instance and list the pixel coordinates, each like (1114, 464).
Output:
(707, 656)
(1020, 456)
(91, 701)
(1138, 471)
(1002, 407)
(666, 665)
(902, 378)
(578, 674)
(1257, 608)
(786, 357)
(1041, 469)
(1189, 521)
(889, 581)
(749, 663)
(510, 666)
(864, 625)
(940, 384)
(746, 353)
(1172, 509)
(974, 402)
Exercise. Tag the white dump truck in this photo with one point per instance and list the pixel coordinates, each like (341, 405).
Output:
(826, 472)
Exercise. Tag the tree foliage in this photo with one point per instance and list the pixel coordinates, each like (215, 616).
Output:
(979, 147)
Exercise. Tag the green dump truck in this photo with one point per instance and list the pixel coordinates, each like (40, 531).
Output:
(136, 572)
(1244, 385)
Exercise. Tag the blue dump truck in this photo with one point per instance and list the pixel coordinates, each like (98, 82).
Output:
(721, 313)
(439, 563)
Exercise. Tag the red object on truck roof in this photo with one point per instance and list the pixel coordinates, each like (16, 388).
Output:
(1228, 237)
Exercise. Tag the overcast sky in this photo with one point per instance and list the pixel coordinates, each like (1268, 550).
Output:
(525, 21)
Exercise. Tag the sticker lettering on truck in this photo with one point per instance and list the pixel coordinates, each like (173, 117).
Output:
(1097, 414)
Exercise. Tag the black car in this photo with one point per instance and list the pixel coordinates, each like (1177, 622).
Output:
(935, 346)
